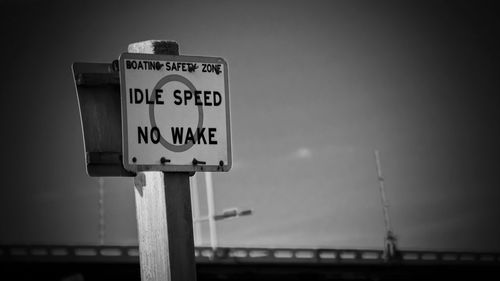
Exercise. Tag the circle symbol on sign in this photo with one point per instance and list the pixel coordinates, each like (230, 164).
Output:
(159, 85)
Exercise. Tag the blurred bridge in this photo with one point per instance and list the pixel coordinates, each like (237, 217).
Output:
(88, 262)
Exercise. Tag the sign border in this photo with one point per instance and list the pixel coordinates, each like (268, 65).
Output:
(173, 167)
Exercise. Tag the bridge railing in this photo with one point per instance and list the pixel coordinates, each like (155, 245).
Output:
(130, 254)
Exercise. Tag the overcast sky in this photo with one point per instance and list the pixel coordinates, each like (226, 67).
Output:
(315, 87)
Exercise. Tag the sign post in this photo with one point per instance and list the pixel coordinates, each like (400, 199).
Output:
(165, 251)
(159, 135)
(165, 229)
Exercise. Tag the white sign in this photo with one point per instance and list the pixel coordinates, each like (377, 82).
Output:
(175, 113)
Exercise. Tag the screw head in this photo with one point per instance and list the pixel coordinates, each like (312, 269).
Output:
(134, 159)
(115, 66)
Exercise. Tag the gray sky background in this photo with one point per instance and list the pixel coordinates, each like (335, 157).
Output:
(315, 87)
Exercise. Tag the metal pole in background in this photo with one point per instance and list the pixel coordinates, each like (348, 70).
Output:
(390, 247)
(211, 210)
(385, 203)
(195, 203)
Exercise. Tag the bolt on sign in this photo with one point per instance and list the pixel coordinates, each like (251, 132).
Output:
(175, 113)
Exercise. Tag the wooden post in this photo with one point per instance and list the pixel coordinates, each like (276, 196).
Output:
(163, 208)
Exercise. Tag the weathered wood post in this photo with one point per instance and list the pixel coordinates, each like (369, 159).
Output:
(163, 208)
